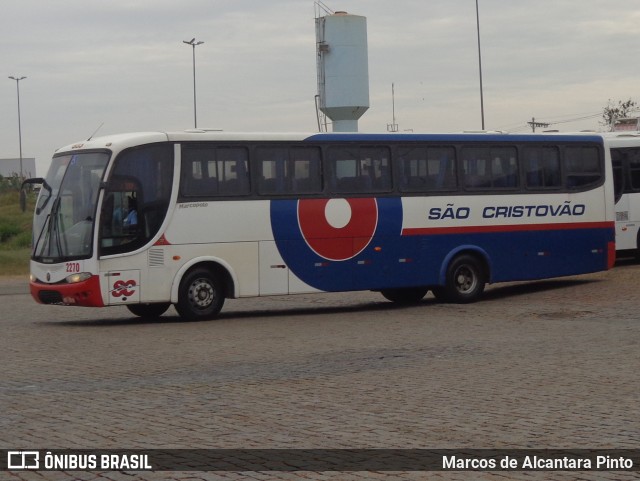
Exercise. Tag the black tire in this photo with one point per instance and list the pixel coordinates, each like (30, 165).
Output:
(465, 281)
(407, 295)
(201, 295)
(149, 311)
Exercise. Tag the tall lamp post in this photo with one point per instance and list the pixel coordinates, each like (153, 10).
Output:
(194, 44)
(480, 65)
(17, 79)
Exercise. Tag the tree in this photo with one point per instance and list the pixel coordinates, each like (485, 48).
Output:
(612, 111)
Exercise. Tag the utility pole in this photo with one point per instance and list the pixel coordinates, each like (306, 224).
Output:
(17, 79)
(393, 127)
(480, 65)
(194, 44)
(535, 124)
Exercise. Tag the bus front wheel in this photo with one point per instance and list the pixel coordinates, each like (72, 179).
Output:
(465, 280)
(201, 295)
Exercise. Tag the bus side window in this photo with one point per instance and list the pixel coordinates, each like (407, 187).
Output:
(199, 172)
(582, 167)
(344, 169)
(476, 168)
(541, 167)
(306, 171)
(504, 169)
(233, 170)
(375, 168)
(442, 166)
(427, 169)
(414, 176)
(358, 169)
(617, 162)
(288, 170)
(119, 218)
(211, 171)
(633, 156)
(490, 168)
(273, 168)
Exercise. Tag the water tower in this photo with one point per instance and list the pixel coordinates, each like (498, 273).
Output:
(343, 69)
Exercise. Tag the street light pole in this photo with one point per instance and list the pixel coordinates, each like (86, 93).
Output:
(17, 79)
(194, 44)
(480, 65)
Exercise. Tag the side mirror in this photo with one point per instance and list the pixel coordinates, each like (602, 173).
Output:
(23, 192)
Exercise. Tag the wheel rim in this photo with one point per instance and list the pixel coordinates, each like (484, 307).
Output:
(465, 279)
(201, 293)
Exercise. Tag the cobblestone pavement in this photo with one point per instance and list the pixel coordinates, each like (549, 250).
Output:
(548, 364)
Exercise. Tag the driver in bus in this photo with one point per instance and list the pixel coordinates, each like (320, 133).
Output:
(131, 219)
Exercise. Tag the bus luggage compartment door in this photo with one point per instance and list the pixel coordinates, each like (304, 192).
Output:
(123, 287)
(274, 273)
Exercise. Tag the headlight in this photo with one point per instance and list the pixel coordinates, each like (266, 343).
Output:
(82, 276)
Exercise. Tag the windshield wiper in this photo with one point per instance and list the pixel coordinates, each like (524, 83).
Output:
(53, 225)
(37, 243)
(50, 225)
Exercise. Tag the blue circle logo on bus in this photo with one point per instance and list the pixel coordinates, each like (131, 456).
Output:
(320, 240)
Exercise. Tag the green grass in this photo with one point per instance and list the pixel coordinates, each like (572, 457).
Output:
(14, 262)
(15, 234)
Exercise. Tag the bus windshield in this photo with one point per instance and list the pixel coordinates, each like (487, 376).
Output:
(66, 207)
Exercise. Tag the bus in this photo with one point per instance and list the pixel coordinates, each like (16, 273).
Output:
(625, 157)
(231, 215)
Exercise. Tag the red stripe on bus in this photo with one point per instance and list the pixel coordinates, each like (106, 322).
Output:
(611, 257)
(505, 228)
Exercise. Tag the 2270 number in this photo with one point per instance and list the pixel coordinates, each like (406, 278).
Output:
(73, 267)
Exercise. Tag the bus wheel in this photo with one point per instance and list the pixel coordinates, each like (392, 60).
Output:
(408, 295)
(149, 311)
(201, 295)
(465, 280)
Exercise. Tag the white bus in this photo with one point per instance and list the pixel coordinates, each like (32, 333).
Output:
(625, 156)
(223, 215)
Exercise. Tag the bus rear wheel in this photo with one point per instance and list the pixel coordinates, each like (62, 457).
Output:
(464, 282)
(407, 295)
(149, 311)
(201, 295)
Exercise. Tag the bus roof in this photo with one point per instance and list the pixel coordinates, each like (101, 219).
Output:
(622, 139)
(122, 141)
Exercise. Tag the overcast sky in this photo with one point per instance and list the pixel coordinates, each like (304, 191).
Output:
(123, 63)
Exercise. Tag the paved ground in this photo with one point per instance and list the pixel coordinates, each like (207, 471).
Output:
(551, 364)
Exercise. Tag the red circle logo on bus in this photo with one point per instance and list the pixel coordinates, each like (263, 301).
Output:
(338, 229)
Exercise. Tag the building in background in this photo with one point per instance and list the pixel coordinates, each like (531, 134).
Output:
(626, 124)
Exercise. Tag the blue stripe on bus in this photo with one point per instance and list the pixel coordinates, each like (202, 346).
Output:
(391, 259)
